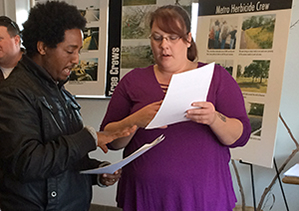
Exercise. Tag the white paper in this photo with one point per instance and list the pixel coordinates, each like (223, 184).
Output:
(184, 89)
(110, 169)
(293, 172)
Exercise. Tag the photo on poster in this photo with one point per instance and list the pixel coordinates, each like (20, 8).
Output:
(138, 2)
(91, 39)
(88, 78)
(135, 29)
(136, 56)
(228, 64)
(86, 70)
(222, 33)
(91, 14)
(252, 75)
(89, 9)
(255, 112)
(135, 21)
(258, 32)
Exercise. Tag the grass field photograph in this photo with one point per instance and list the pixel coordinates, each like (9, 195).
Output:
(258, 32)
(136, 56)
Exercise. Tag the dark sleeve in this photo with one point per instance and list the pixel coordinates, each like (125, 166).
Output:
(24, 153)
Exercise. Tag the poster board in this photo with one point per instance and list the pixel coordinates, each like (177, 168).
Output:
(88, 78)
(120, 30)
(253, 49)
(135, 42)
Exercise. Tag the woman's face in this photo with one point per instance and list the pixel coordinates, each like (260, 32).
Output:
(169, 50)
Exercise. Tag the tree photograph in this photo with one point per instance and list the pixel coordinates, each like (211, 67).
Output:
(253, 76)
(255, 115)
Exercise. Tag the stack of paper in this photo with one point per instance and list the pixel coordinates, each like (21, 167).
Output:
(190, 86)
(293, 171)
(110, 169)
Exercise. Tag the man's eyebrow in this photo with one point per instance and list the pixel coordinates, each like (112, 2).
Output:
(72, 46)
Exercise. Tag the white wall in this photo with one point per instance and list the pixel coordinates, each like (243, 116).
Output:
(1, 7)
(8, 8)
(17, 10)
(22, 8)
(93, 111)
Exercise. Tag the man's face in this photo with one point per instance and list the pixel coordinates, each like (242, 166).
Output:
(59, 61)
(9, 46)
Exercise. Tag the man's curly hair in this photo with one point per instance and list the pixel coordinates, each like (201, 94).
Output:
(47, 22)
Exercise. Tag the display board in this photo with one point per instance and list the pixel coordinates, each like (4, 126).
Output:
(115, 41)
(249, 39)
(114, 46)
(135, 42)
(88, 77)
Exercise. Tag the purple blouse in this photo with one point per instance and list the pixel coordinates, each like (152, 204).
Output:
(187, 171)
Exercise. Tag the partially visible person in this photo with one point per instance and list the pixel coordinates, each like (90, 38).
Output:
(189, 170)
(10, 46)
(217, 32)
(233, 33)
(43, 142)
(224, 32)
(211, 37)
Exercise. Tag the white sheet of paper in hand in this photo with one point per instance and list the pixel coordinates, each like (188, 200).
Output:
(293, 171)
(184, 88)
(110, 169)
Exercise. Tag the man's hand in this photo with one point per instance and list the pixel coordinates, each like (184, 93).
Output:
(105, 137)
(110, 179)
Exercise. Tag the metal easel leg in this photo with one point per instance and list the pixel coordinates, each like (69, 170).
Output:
(280, 184)
(252, 183)
(253, 188)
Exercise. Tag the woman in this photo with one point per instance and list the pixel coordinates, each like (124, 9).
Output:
(188, 170)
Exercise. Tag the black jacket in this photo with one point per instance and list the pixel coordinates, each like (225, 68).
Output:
(43, 144)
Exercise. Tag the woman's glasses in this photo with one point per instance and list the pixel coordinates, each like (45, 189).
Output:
(157, 38)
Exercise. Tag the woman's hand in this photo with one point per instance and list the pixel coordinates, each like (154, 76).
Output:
(203, 112)
(145, 115)
(228, 130)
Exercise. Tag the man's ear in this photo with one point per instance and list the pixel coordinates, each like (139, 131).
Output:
(41, 48)
(17, 39)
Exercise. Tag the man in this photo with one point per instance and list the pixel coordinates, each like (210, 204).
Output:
(224, 33)
(10, 49)
(43, 143)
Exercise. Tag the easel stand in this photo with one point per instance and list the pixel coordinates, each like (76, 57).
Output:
(280, 184)
(252, 184)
